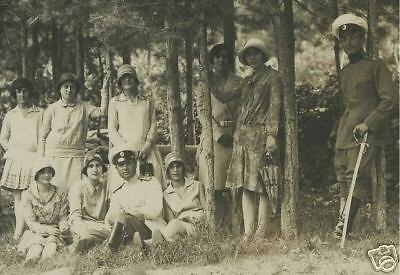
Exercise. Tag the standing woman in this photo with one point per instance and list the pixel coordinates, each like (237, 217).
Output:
(255, 135)
(132, 123)
(19, 137)
(225, 96)
(64, 130)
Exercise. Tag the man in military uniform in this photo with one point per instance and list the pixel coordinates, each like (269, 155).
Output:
(370, 99)
(136, 203)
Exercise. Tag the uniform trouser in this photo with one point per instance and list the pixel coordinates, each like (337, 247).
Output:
(345, 161)
(91, 230)
(133, 224)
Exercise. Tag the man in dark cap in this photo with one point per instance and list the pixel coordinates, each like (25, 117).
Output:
(136, 203)
(370, 99)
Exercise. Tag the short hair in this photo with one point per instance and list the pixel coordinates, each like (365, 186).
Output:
(22, 83)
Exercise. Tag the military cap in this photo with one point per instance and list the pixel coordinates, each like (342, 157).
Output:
(348, 23)
(123, 156)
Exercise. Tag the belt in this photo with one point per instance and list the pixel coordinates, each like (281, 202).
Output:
(225, 123)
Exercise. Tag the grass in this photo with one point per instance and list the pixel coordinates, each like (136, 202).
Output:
(313, 252)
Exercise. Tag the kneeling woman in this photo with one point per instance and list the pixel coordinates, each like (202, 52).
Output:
(45, 211)
(88, 205)
(184, 200)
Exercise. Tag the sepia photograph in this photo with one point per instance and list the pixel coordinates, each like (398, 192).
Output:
(199, 137)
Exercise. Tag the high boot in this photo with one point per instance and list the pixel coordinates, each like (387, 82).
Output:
(355, 205)
(116, 236)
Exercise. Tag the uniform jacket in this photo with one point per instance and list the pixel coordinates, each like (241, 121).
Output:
(369, 95)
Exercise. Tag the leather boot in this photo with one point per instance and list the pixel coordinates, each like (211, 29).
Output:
(117, 233)
(355, 205)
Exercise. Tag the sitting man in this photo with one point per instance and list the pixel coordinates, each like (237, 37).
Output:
(135, 205)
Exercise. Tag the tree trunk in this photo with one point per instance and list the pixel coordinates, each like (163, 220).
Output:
(191, 132)
(229, 32)
(35, 50)
(204, 113)
(79, 53)
(174, 97)
(379, 170)
(372, 47)
(126, 55)
(336, 48)
(284, 34)
(56, 53)
(24, 48)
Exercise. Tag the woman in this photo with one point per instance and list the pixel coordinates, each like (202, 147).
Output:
(184, 201)
(19, 137)
(88, 205)
(64, 130)
(225, 97)
(45, 211)
(255, 135)
(132, 122)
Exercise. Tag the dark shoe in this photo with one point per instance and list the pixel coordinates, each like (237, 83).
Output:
(80, 246)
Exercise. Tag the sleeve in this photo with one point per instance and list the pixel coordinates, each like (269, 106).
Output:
(75, 202)
(169, 214)
(153, 202)
(114, 136)
(96, 112)
(388, 97)
(235, 89)
(5, 132)
(29, 216)
(64, 209)
(202, 195)
(274, 109)
(45, 130)
(151, 136)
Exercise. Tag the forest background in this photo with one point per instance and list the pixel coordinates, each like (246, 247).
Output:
(41, 39)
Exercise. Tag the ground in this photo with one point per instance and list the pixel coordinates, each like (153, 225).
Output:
(314, 252)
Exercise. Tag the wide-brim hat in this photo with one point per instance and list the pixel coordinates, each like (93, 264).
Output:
(126, 69)
(41, 164)
(68, 77)
(91, 157)
(216, 49)
(173, 157)
(345, 19)
(21, 83)
(253, 43)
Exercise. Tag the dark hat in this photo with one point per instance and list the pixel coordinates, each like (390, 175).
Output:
(123, 156)
(68, 77)
(349, 28)
(173, 157)
(21, 83)
(89, 158)
(216, 50)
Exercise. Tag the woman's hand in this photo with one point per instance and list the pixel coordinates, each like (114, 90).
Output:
(144, 153)
(52, 230)
(270, 145)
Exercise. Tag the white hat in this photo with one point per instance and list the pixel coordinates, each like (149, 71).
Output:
(40, 164)
(348, 18)
(253, 43)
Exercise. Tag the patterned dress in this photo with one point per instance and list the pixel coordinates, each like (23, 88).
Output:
(19, 137)
(258, 118)
(39, 215)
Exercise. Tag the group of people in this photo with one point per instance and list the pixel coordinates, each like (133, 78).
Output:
(65, 191)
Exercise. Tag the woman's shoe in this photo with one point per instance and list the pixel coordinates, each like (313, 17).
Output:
(157, 237)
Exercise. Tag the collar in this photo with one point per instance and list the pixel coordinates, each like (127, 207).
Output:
(124, 182)
(35, 193)
(170, 188)
(65, 104)
(90, 188)
(31, 109)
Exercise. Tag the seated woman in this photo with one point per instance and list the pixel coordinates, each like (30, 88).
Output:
(45, 210)
(184, 201)
(88, 205)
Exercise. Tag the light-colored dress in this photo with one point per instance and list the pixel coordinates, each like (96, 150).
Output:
(223, 123)
(40, 214)
(187, 208)
(63, 138)
(88, 208)
(133, 125)
(19, 137)
(258, 118)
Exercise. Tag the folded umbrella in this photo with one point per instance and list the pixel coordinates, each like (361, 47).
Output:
(271, 178)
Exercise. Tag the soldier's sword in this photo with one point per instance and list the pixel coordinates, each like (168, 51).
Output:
(363, 146)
